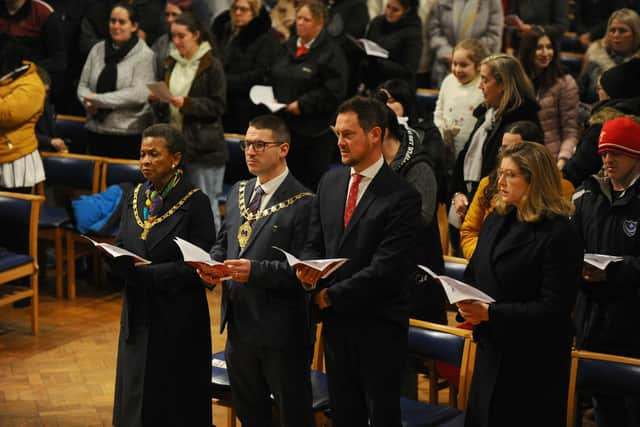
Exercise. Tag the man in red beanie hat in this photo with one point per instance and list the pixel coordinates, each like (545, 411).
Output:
(607, 217)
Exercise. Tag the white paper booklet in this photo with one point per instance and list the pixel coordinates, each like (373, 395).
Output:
(264, 95)
(161, 90)
(326, 266)
(456, 290)
(601, 261)
(116, 251)
(374, 49)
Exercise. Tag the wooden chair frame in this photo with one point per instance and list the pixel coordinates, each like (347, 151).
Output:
(576, 356)
(28, 270)
(466, 364)
(57, 234)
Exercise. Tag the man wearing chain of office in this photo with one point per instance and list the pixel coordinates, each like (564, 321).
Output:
(263, 306)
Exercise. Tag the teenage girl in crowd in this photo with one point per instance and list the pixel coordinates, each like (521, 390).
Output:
(459, 95)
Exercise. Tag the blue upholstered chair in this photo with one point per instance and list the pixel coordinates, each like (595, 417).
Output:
(604, 373)
(72, 129)
(220, 387)
(443, 344)
(70, 175)
(19, 249)
(426, 100)
(455, 267)
(118, 171)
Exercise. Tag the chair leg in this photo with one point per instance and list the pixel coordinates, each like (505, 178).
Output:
(231, 417)
(34, 304)
(71, 268)
(59, 252)
(433, 382)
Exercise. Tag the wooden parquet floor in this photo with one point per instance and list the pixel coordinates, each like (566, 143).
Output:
(65, 376)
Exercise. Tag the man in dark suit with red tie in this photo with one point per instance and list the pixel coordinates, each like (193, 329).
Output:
(367, 213)
(263, 306)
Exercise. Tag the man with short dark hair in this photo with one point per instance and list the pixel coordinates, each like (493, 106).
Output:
(607, 217)
(367, 213)
(263, 307)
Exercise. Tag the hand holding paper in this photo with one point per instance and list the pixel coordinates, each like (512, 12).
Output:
(458, 291)
(601, 261)
(200, 259)
(264, 95)
(161, 91)
(314, 269)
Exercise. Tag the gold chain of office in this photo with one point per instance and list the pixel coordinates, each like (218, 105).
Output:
(146, 225)
(244, 211)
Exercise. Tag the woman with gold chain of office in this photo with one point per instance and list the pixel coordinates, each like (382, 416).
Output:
(163, 370)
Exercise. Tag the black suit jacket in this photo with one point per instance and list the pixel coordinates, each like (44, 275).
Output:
(271, 309)
(378, 242)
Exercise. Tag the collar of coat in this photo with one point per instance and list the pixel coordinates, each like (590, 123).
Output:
(205, 62)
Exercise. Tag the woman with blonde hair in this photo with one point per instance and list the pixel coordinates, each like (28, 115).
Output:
(620, 44)
(508, 98)
(529, 259)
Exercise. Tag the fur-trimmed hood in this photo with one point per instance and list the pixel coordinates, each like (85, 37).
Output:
(613, 108)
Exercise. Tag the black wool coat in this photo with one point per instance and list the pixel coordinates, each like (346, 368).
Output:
(163, 373)
(532, 270)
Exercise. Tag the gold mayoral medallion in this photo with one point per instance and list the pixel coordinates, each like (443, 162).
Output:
(244, 231)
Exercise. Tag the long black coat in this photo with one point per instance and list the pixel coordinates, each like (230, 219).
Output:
(317, 80)
(163, 373)
(532, 271)
(527, 111)
(247, 58)
(403, 40)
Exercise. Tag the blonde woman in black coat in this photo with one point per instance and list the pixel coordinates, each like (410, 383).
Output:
(529, 259)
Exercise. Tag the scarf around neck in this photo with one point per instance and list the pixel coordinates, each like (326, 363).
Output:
(108, 77)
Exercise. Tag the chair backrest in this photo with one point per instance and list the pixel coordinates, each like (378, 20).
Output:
(604, 373)
(445, 344)
(19, 215)
(76, 171)
(72, 128)
(118, 171)
(455, 267)
(426, 100)
(236, 168)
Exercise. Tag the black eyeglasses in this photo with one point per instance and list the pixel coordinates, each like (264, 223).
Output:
(258, 146)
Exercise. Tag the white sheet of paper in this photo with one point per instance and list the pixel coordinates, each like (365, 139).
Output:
(601, 261)
(193, 253)
(116, 251)
(161, 90)
(456, 290)
(264, 95)
(317, 264)
(374, 49)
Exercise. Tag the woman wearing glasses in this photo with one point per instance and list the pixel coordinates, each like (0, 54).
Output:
(529, 259)
(243, 34)
(196, 80)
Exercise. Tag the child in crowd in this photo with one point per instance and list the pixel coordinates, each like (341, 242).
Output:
(459, 96)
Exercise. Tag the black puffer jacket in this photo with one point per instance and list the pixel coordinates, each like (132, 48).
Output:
(247, 58)
(403, 40)
(317, 80)
(606, 313)
(586, 161)
(202, 111)
(527, 111)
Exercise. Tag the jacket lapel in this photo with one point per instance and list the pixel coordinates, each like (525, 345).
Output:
(521, 234)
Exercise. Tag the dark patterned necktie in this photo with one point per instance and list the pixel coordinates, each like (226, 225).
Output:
(254, 204)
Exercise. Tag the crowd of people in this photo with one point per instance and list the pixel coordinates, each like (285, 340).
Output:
(536, 166)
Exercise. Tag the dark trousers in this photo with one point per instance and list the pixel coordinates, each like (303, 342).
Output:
(616, 411)
(117, 146)
(309, 158)
(256, 372)
(365, 362)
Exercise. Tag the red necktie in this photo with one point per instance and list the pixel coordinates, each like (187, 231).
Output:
(301, 50)
(352, 198)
